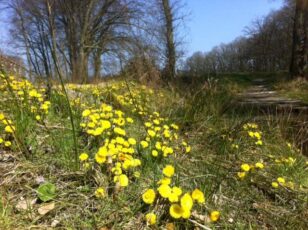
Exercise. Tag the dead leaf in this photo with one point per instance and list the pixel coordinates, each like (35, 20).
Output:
(202, 218)
(39, 179)
(46, 208)
(170, 226)
(25, 204)
(55, 223)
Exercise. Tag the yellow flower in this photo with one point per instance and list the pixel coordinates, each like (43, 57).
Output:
(214, 216)
(151, 133)
(86, 113)
(241, 175)
(137, 174)
(257, 135)
(38, 117)
(154, 153)
(98, 131)
(129, 120)
(9, 129)
(275, 184)
(186, 202)
(173, 197)
(165, 180)
(86, 165)
(83, 157)
(151, 218)
(102, 151)
(132, 141)
(281, 180)
(175, 193)
(119, 131)
(177, 190)
(164, 190)
(168, 171)
(91, 124)
(259, 165)
(105, 124)
(245, 167)
(7, 144)
(156, 122)
(100, 192)
(259, 142)
(158, 145)
(147, 124)
(149, 196)
(100, 159)
(123, 180)
(176, 211)
(167, 133)
(186, 213)
(198, 196)
(144, 144)
(290, 185)
(167, 150)
(116, 170)
(187, 149)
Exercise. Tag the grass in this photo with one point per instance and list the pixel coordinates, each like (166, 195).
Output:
(209, 121)
(296, 89)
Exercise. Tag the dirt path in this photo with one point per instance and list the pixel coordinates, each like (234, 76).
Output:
(261, 96)
(261, 100)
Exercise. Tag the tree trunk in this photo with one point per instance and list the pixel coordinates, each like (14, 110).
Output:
(97, 62)
(170, 52)
(299, 46)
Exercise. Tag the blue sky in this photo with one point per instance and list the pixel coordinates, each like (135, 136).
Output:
(210, 22)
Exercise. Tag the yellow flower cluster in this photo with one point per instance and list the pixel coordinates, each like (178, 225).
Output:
(181, 203)
(253, 133)
(117, 150)
(250, 126)
(137, 99)
(101, 122)
(162, 137)
(8, 129)
(283, 160)
(27, 94)
(245, 168)
(281, 181)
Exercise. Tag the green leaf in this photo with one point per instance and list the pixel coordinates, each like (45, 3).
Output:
(46, 191)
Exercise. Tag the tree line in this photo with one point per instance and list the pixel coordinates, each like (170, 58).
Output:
(83, 40)
(276, 42)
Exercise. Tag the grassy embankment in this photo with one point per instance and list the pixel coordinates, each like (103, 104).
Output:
(242, 162)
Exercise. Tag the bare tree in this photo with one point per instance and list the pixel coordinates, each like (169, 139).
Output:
(299, 46)
(170, 43)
